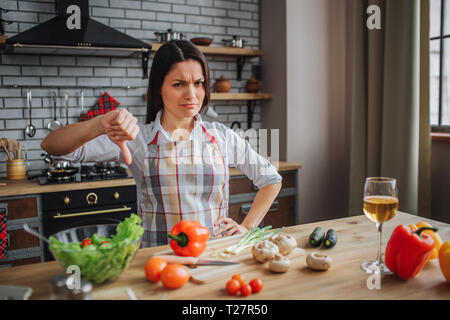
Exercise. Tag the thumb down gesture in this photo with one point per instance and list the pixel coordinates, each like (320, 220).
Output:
(120, 126)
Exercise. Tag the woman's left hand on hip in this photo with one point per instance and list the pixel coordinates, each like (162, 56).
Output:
(230, 227)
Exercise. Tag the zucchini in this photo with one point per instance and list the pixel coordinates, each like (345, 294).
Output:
(330, 239)
(317, 236)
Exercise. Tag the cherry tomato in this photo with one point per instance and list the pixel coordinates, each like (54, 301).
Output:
(233, 286)
(86, 242)
(106, 241)
(246, 290)
(239, 278)
(174, 276)
(154, 267)
(256, 285)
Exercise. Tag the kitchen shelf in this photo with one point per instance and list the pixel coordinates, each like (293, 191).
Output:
(251, 99)
(240, 96)
(240, 53)
(221, 50)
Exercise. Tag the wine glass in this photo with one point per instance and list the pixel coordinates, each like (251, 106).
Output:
(380, 205)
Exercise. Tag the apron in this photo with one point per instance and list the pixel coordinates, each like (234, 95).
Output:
(182, 180)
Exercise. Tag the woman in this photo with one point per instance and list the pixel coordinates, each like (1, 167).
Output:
(180, 163)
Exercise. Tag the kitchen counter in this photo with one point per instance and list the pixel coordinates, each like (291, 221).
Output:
(23, 187)
(357, 242)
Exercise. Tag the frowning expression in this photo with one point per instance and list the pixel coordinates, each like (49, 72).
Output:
(183, 89)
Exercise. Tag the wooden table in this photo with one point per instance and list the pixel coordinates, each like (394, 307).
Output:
(345, 280)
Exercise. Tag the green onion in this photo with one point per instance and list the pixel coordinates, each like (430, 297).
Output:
(253, 236)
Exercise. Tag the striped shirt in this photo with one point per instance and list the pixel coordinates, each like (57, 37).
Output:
(237, 151)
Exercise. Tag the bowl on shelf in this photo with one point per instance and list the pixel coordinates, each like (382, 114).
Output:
(202, 41)
(99, 265)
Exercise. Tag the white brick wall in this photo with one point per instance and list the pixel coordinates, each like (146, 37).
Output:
(218, 19)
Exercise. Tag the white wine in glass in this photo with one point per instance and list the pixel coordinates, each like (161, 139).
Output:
(380, 205)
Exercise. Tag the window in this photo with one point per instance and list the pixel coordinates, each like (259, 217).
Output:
(440, 63)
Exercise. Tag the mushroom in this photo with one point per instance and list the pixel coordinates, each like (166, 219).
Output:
(285, 243)
(264, 251)
(279, 263)
(318, 261)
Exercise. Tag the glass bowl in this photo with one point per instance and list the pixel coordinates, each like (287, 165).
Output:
(99, 265)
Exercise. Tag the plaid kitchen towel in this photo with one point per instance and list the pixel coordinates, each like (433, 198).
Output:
(105, 104)
(3, 231)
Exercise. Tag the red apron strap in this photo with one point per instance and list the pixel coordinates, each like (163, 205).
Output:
(155, 140)
(210, 137)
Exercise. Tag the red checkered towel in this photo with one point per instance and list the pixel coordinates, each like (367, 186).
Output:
(3, 234)
(105, 104)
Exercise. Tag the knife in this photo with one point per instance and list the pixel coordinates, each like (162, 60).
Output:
(196, 261)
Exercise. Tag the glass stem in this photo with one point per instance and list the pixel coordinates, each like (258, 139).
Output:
(379, 257)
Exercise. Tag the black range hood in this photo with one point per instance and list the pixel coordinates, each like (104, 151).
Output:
(73, 32)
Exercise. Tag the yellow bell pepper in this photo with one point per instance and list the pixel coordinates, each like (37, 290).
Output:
(444, 260)
(437, 239)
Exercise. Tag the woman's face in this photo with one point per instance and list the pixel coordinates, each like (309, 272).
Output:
(183, 89)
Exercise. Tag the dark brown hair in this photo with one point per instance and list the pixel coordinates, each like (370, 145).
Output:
(166, 57)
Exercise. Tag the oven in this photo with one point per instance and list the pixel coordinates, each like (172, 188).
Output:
(68, 209)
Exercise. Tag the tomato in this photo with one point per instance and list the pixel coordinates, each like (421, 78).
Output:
(233, 286)
(256, 285)
(175, 276)
(239, 278)
(106, 241)
(246, 290)
(154, 267)
(86, 242)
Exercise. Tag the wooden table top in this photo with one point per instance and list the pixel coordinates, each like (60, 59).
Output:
(357, 242)
(24, 187)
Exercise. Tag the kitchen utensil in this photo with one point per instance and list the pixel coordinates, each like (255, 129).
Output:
(30, 130)
(196, 261)
(117, 258)
(82, 113)
(54, 124)
(57, 167)
(34, 233)
(19, 150)
(4, 144)
(169, 35)
(66, 99)
(222, 85)
(236, 42)
(15, 169)
(202, 41)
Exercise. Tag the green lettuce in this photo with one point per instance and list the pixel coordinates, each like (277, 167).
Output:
(102, 262)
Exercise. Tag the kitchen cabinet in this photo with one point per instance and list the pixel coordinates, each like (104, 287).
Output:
(22, 247)
(283, 211)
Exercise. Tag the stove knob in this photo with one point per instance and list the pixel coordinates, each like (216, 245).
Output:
(66, 200)
(116, 195)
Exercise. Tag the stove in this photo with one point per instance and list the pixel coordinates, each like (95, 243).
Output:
(85, 174)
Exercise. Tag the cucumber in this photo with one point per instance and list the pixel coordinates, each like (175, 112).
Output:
(317, 236)
(330, 239)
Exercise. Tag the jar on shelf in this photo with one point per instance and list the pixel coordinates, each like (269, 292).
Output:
(222, 85)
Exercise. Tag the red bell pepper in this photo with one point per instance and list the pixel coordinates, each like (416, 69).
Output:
(408, 250)
(188, 238)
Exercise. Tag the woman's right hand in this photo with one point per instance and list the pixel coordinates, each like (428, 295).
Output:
(120, 126)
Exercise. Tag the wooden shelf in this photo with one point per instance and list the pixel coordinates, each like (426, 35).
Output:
(240, 96)
(220, 50)
(441, 136)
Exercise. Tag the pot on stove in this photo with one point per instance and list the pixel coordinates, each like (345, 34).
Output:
(58, 168)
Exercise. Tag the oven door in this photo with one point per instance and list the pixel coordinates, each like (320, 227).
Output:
(56, 221)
